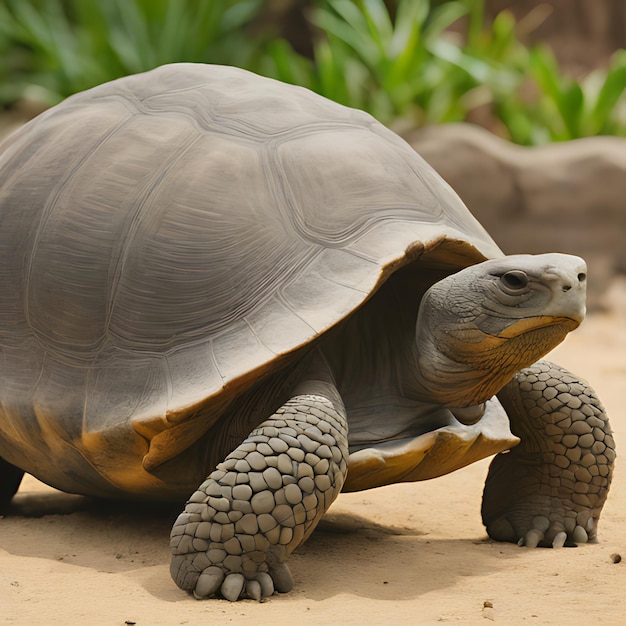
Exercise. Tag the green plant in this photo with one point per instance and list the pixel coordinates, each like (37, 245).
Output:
(367, 60)
(8, 53)
(405, 66)
(570, 108)
(413, 67)
(72, 45)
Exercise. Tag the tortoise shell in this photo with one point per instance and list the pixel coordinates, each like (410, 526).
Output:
(170, 240)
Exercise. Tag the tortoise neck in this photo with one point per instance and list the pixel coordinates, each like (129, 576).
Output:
(436, 377)
(370, 351)
(456, 363)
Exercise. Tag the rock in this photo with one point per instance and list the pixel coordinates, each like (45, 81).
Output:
(561, 197)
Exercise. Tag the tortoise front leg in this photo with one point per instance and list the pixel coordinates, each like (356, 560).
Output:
(10, 479)
(264, 499)
(550, 489)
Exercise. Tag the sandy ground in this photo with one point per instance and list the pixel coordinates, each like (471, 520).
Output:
(405, 554)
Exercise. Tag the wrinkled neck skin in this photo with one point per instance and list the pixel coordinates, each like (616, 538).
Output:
(419, 355)
(458, 364)
(474, 330)
(370, 356)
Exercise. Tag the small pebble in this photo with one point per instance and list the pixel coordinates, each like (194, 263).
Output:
(212, 488)
(221, 518)
(242, 505)
(305, 470)
(228, 531)
(198, 496)
(201, 561)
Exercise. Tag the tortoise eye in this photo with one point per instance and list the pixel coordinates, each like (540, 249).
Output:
(515, 280)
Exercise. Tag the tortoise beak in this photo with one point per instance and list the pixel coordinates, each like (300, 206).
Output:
(567, 307)
(569, 281)
(564, 279)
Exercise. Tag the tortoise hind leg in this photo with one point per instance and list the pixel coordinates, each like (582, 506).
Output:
(550, 489)
(10, 479)
(265, 498)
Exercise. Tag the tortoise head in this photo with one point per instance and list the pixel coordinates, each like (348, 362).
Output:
(477, 327)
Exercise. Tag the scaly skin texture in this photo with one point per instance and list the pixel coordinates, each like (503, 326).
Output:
(477, 327)
(261, 502)
(550, 489)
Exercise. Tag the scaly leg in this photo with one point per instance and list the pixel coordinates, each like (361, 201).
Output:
(265, 498)
(550, 489)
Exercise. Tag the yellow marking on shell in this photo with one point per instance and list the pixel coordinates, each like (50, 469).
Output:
(429, 456)
(119, 464)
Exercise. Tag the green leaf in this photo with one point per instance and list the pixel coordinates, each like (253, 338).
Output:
(288, 66)
(545, 71)
(441, 18)
(570, 105)
(612, 91)
(351, 30)
(378, 22)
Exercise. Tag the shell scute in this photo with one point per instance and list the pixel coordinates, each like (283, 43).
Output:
(170, 237)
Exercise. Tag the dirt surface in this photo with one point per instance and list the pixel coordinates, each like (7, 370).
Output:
(405, 554)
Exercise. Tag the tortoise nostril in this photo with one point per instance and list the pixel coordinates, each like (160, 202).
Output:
(582, 277)
(566, 287)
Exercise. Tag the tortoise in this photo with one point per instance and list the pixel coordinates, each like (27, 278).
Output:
(224, 290)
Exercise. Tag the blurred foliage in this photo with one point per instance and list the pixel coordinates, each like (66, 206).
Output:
(564, 108)
(65, 46)
(405, 66)
(389, 68)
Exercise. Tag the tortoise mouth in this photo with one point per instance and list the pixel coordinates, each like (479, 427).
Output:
(531, 324)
